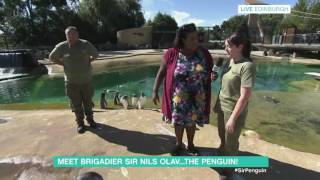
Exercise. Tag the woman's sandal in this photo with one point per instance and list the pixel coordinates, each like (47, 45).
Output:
(220, 151)
(176, 150)
(193, 150)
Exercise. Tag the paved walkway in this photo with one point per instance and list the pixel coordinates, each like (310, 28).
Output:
(29, 139)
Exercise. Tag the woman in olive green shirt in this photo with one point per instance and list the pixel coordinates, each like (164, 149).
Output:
(236, 88)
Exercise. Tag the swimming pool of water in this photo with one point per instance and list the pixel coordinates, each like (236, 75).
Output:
(284, 108)
(46, 89)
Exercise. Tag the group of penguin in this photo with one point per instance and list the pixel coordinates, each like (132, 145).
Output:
(136, 102)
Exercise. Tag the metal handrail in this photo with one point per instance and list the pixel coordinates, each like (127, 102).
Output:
(308, 38)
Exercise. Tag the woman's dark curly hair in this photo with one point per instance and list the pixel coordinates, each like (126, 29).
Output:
(182, 33)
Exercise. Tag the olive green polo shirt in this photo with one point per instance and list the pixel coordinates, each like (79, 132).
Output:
(76, 60)
(240, 74)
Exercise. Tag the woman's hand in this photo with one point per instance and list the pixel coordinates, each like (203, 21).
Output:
(159, 78)
(245, 94)
(213, 76)
(91, 58)
(155, 97)
(230, 126)
(60, 62)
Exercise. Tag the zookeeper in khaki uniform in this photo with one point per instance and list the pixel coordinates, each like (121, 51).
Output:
(237, 81)
(236, 88)
(76, 55)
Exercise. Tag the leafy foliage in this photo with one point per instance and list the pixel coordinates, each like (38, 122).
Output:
(42, 22)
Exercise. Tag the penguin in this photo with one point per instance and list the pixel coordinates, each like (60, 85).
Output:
(142, 100)
(166, 120)
(111, 91)
(103, 99)
(134, 100)
(124, 101)
(116, 100)
(89, 175)
(71, 106)
(271, 99)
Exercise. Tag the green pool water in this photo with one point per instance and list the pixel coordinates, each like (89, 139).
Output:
(284, 108)
(46, 89)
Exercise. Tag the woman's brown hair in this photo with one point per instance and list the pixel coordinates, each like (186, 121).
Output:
(241, 37)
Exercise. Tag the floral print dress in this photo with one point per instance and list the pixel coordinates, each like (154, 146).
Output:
(188, 100)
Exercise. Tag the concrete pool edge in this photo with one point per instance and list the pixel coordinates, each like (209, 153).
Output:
(152, 57)
(52, 132)
(113, 64)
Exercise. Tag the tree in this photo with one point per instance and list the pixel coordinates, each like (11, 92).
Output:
(42, 22)
(34, 22)
(270, 23)
(216, 33)
(231, 25)
(149, 23)
(107, 17)
(164, 22)
(305, 16)
(314, 24)
(163, 27)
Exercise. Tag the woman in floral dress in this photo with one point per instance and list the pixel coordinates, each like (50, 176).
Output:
(186, 71)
